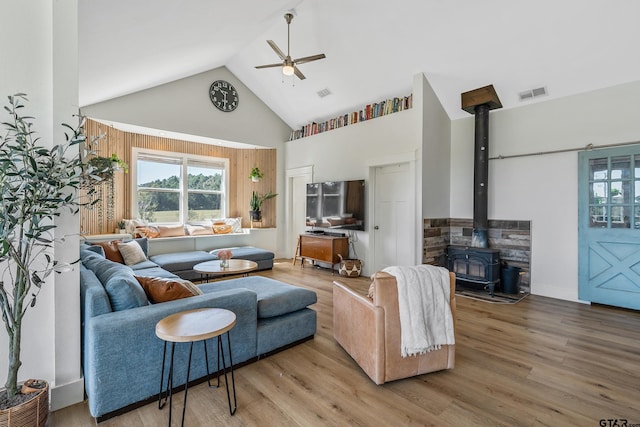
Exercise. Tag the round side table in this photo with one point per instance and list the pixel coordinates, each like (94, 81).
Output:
(191, 326)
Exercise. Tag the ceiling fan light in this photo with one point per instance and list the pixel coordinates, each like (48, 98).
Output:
(287, 70)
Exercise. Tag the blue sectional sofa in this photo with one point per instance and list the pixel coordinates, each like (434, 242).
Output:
(181, 263)
(121, 354)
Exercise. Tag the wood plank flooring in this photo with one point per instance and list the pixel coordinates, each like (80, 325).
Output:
(541, 362)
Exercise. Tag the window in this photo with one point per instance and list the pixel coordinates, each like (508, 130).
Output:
(178, 188)
(614, 192)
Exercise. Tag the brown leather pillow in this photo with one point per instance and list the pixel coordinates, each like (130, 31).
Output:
(111, 251)
(162, 289)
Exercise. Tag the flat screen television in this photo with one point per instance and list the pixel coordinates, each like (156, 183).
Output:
(336, 204)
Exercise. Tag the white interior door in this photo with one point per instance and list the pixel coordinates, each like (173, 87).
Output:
(298, 208)
(393, 216)
(297, 180)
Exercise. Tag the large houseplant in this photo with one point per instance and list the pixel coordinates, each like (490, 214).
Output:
(255, 204)
(37, 184)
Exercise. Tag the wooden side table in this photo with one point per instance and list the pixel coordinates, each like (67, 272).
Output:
(191, 326)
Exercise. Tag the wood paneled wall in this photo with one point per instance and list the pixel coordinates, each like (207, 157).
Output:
(241, 161)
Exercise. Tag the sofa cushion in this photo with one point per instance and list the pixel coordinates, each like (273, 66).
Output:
(94, 298)
(125, 292)
(143, 265)
(103, 268)
(274, 298)
(92, 248)
(181, 261)
(154, 271)
(162, 289)
(111, 251)
(132, 252)
(144, 244)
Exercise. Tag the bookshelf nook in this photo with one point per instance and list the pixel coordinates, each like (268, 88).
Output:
(371, 111)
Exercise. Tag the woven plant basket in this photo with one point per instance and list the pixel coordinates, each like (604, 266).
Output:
(32, 413)
(349, 267)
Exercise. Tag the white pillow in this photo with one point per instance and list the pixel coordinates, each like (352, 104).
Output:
(198, 230)
(132, 252)
(131, 224)
(235, 223)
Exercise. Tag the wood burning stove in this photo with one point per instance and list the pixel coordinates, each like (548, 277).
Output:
(478, 266)
(475, 267)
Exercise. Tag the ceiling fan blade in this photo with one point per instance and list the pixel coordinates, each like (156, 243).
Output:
(277, 49)
(309, 58)
(298, 73)
(279, 64)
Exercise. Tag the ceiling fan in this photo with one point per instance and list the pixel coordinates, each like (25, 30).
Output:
(289, 66)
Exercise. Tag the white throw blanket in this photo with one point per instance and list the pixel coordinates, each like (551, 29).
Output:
(426, 322)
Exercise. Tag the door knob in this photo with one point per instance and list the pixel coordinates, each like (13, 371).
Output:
(376, 228)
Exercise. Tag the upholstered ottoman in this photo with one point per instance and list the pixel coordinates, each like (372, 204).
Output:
(283, 314)
(263, 257)
(181, 263)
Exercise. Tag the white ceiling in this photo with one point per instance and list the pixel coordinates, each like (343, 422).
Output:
(373, 48)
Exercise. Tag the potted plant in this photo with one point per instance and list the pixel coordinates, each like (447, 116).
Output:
(255, 174)
(255, 204)
(37, 184)
(121, 227)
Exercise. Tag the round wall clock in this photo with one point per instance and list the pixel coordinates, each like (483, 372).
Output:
(223, 95)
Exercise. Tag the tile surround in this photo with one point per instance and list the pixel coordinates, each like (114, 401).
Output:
(512, 238)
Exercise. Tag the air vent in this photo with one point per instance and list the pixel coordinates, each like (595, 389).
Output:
(324, 92)
(532, 93)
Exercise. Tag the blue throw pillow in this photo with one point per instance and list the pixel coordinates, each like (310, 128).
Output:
(84, 248)
(144, 244)
(125, 292)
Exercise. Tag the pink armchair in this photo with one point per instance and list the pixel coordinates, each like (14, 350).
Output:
(369, 330)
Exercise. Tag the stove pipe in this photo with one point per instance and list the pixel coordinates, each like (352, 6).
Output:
(479, 102)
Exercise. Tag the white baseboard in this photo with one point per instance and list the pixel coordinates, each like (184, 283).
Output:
(66, 394)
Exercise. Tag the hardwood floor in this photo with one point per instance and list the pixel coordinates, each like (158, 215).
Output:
(541, 362)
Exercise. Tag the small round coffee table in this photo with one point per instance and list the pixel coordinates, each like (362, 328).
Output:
(236, 266)
(190, 326)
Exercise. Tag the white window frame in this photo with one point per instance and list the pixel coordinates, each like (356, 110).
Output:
(184, 158)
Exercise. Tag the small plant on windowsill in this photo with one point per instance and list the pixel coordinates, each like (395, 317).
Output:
(255, 204)
(256, 174)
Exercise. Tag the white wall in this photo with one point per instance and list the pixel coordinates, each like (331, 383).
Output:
(348, 153)
(436, 149)
(184, 106)
(39, 43)
(543, 188)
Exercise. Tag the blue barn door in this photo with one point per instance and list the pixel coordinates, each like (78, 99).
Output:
(609, 226)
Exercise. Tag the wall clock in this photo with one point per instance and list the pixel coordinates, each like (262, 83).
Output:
(223, 95)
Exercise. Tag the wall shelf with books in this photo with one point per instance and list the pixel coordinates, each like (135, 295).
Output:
(371, 111)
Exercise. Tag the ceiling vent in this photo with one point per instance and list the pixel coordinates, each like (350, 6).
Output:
(324, 92)
(532, 93)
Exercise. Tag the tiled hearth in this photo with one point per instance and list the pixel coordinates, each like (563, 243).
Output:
(511, 238)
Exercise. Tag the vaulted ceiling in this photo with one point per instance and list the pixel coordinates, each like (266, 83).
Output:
(373, 48)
